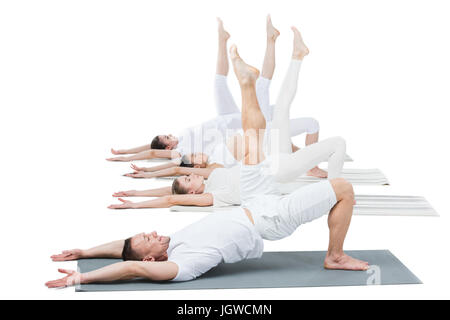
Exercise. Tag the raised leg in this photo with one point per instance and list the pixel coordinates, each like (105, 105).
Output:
(269, 57)
(268, 68)
(225, 103)
(280, 122)
(222, 54)
(253, 121)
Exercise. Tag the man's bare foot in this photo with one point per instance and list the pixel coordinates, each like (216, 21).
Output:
(345, 262)
(300, 49)
(272, 33)
(223, 35)
(317, 172)
(245, 73)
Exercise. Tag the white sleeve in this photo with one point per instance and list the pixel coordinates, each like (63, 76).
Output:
(223, 199)
(193, 265)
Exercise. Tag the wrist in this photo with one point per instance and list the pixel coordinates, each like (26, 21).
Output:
(84, 278)
(84, 254)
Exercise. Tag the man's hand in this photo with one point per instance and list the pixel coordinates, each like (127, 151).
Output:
(124, 205)
(68, 255)
(129, 193)
(71, 279)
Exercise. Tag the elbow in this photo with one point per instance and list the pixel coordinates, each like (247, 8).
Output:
(170, 200)
(137, 270)
(132, 270)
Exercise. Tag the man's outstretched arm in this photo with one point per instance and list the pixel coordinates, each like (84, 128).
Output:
(157, 271)
(108, 250)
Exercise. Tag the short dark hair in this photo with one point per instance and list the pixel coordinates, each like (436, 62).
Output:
(157, 144)
(186, 162)
(127, 252)
(177, 188)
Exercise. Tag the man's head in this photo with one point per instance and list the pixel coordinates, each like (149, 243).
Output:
(164, 142)
(194, 160)
(191, 184)
(146, 247)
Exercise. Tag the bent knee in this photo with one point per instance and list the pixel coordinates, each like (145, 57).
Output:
(313, 126)
(343, 189)
(339, 142)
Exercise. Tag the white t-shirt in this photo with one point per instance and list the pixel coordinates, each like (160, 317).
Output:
(220, 154)
(204, 137)
(226, 236)
(257, 180)
(224, 185)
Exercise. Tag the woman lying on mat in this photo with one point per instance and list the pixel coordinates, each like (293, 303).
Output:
(223, 185)
(228, 119)
(236, 234)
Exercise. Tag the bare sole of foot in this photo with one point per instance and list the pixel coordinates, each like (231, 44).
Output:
(223, 35)
(300, 48)
(345, 262)
(245, 73)
(272, 32)
(317, 172)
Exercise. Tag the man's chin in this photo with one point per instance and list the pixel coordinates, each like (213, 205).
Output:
(166, 240)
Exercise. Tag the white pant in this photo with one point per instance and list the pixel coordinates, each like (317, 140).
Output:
(286, 165)
(226, 105)
(277, 217)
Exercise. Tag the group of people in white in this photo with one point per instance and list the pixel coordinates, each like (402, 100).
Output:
(236, 160)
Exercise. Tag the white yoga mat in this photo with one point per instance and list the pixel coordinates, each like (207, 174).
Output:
(354, 176)
(366, 205)
(346, 159)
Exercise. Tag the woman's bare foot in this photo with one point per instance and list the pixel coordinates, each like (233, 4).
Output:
(345, 262)
(317, 172)
(300, 49)
(223, 35)
(245, 73)
(272, 33)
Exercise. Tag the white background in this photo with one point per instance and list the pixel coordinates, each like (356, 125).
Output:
(80, 77)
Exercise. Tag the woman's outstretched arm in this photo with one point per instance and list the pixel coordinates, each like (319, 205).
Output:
(199, 200)
(160, 192)
(171, 172)
(149, 154)
(132, 150)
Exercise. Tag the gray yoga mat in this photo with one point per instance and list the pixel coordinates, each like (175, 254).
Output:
(272, 270)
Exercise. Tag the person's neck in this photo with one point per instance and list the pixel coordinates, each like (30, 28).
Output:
(201, 189)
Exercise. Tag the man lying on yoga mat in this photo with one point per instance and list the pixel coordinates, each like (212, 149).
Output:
(205, 137)
(223, 185)
(236, 234)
